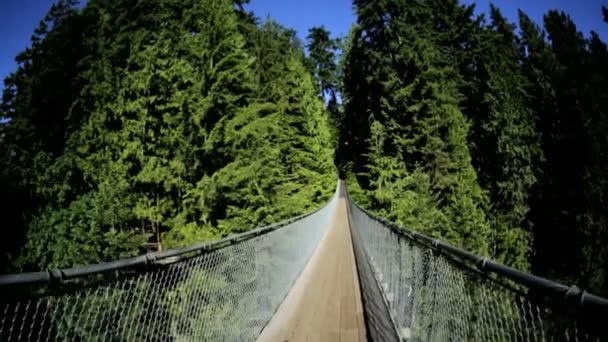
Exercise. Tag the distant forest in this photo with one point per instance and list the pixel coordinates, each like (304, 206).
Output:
(138, 123)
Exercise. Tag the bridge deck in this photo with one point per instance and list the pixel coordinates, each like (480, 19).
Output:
(325, 302)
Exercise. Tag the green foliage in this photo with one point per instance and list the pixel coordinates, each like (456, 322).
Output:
(206, 311)
(87, 231)
(322, 59)
(323, 63)
(418, 165)
(166, 126)
(131, 121)
(465, 130)
(568, 203)
(37, 112)
(116, 321)
(503, 138)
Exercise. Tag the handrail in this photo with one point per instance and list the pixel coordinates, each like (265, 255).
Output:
(585, 300)
(61, 275)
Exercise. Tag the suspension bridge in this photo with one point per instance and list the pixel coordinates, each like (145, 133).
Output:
(337, 274)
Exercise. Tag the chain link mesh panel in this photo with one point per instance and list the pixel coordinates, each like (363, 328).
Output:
(432, 296)
(228, 294)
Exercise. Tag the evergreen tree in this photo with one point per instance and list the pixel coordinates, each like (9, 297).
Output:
(171, 131)
(322, 60)
(173, 122)
(418, 150)
(566, 210)
(354, 128)
(38, 112)
(322, 56)
(504, 140)
(281, 148)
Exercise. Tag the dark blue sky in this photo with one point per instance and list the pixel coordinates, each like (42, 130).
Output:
(18, 18)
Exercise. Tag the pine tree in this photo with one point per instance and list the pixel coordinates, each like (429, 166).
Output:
(322, 57)
(578, 117)
(354, 128)
(565, 207)
(282, 150)
(39, 111)
(504, 140)
(418, 137)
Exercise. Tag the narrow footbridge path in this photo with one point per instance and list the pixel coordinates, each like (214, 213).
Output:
(325, 302)
(339, 273)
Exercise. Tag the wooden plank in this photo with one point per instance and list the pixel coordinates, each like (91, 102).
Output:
(325, 303)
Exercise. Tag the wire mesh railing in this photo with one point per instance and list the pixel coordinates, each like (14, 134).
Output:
(427, 290)
(222, 291)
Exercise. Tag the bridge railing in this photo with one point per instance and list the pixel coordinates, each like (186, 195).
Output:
(225, 290)
(416, 288)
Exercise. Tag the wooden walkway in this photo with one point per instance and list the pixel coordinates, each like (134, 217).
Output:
(325, 302)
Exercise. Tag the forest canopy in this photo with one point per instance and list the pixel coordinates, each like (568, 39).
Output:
(131, 123)
(167, 121)
(481, 132)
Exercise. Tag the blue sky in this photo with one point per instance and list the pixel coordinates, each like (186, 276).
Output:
(19, 18)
